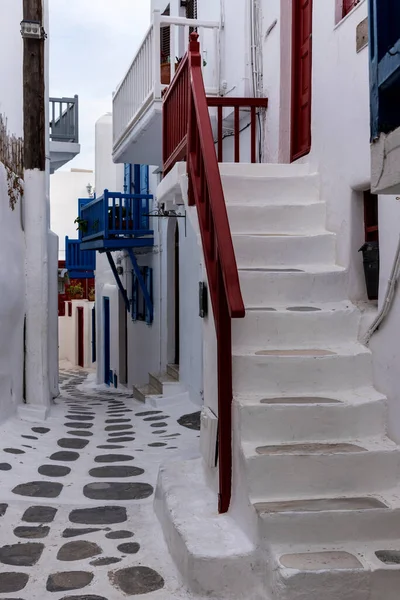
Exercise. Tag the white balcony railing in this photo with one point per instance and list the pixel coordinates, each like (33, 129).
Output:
(142, 83)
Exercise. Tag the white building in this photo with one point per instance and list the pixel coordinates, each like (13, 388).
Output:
(28, 267)
(308, 471)
(65, 188)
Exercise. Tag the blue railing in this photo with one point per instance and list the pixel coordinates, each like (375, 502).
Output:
(115, 216)
(79, 262)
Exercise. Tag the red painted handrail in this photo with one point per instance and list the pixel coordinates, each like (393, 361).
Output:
(187, 134)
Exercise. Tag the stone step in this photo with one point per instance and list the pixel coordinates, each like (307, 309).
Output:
(269, 183)
(345, 572)
(264, 250)
(317, 469)
(143, 392)
(288, 325)
(331, 416)
(329, 520)
(311, 370)
(173, 371)
(305, 218)
(165, 384)
(297, 285)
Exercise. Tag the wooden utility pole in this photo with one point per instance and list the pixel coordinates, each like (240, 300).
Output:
(34, 92)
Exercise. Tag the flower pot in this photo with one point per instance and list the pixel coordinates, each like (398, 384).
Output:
(166, 72)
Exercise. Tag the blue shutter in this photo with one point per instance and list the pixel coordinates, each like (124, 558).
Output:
(149, 286)
(384, 47)
(134, 297)
(127, 178)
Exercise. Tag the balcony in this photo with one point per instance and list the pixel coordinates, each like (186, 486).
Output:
(116, 221)
(80, 264)
(64, 131)
(137, 102)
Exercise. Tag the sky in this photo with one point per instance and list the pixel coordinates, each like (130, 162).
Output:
(92, 43)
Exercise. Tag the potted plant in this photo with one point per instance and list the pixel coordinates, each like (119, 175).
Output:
(92, 294)
(75, 291)
(166, 68)
(82, 225)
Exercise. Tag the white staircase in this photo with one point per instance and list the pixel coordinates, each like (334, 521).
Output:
(312, 460)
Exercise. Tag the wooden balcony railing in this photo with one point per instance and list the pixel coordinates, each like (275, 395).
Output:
(188, 134)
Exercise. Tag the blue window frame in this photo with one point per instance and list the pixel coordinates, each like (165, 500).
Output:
(384, 24)
(140, 309)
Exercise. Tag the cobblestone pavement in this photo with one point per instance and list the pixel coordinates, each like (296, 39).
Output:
(76, 497)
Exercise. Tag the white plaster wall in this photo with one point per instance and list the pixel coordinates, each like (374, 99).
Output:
(68, 333)
(65, 189)
(108, 176)
(12, 250)
(53, 311)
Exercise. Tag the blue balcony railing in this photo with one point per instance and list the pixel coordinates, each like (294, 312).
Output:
(80, 263)
(116, 221)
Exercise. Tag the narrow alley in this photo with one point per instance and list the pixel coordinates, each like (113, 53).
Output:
(76, 500)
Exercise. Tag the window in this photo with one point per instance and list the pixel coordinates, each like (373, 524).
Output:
(165, 41)
(371, 217)
(348, 6)
(140, 310)
(191, 8)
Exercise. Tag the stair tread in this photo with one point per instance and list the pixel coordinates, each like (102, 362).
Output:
(320, 350)
(164, 378)
(146, 390)
(311, 268)
(318, 448)
(353, 396)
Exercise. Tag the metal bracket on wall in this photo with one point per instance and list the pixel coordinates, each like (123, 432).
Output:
(142, 283)
(118, 281)
(162, 213)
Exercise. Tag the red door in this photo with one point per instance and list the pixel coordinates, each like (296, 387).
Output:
(81, 359)
(301, 78)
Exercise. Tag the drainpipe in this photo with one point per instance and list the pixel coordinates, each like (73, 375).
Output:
(36, 219)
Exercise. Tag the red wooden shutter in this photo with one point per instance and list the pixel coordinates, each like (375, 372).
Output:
(348, 5)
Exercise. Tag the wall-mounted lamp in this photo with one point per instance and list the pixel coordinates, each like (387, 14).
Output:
(120, 270)
(203, 300)
(32, 30)
(89, 188)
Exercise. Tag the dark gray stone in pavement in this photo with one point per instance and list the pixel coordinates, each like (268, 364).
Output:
(12, 582)
(40, 429)
(110, 447)
(158, 418)
(54, 470)
(112, 458)
(14, 451)
(32, 532)
(72, 443)
(80, 433)
(21, 555)
(118, 427)
(79, 425)
(159, 425)
(78, 550)
(191, 421)
(129, 548)
(30, 437)
(116, 471)
(137, 580)
(147, 413)
(65, 456)
(118, 420)
(157, 445)
(101, 515)
(3, 508)
(106, 560)
(117, 491)
(119, 535)
(69, 580)
(71, 532)
(85, 597)
(39, 489)
(121, 440)
(80, 417)
(39, 514)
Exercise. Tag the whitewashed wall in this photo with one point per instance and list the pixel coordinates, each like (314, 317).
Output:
(68, 333)
(65, 189)
(12, 282)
